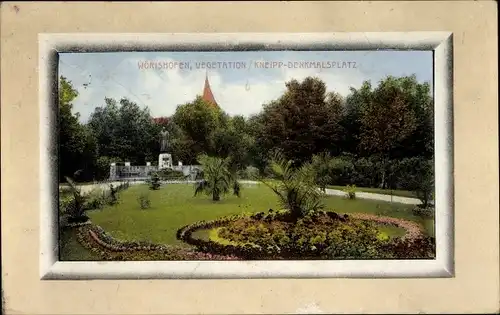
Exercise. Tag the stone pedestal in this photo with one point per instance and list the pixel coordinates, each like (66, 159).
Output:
(165, 161)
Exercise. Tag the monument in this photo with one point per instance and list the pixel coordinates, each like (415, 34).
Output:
(164, 159)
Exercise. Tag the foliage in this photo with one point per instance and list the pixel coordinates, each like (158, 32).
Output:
(96, 199)
(75, 210)
(155, 183)
(323, 235)
(303, 121)
(218, 179)
(425, 183)
(350, 191)
(417, 174)
(422, 211)
(295, 187)
(197, 122)
(77, 144)
(125, 130)
(249, 172)
(170, 174)
(323, 168)
(376, 125)
(113, 194)
(144, 201)
(386, 118)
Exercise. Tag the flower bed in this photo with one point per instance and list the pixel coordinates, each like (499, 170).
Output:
(106, 247)
(324, 235)
(413, 230)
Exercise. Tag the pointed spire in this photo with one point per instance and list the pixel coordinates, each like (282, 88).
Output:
(208, 96)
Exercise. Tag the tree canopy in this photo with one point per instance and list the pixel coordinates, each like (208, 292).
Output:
(373, 123)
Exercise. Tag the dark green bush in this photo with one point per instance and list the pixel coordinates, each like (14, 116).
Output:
(170, 174)
(424, 212)
(155, 181)
(350, 191)
(144, 201)
(113, 195)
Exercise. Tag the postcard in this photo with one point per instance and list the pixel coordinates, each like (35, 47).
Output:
(269, 158)
(240, 153)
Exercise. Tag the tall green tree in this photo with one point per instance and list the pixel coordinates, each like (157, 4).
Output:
(303, 121)
(387, 119)
(421, 141)
(198, 121)
(77, 144)
(125, 131)
(351, 117)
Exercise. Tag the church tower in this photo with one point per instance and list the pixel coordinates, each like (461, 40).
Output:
(208, 96)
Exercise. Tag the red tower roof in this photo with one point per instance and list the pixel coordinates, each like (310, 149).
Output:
(208, 96)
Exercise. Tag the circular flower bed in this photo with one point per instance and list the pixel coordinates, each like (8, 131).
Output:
(95, 239)
(322, 235)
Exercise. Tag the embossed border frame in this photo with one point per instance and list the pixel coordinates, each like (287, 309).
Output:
(441, 43)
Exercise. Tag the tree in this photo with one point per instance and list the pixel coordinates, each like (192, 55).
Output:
(232, 140)
(125, 131)
(217, 177)
(421, 141)
(386, 120)
(198, 121)
(302, 122)
(351, 117)
(77, 144)
(295, 186)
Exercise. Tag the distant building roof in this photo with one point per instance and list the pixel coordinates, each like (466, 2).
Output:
(208, 96)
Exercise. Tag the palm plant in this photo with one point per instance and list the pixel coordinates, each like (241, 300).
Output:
(217, 178)
(295, 187)
(76, 208)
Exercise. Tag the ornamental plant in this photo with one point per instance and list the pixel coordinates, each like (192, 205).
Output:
(294, 186)
(217, 178)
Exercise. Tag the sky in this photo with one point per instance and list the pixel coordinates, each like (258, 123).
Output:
(241, 81)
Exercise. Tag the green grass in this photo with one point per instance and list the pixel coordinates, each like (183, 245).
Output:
(174, 206)
(392, 231)
(71, 250)
(400, 193)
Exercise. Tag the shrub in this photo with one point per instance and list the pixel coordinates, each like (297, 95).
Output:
(96, 199)
(170, 174)
(113, 195)
(350, 191)
(249, 172)
(65, 202)
(323, 167)
(155, 181)
(425, 212)
(144, 201)
(295, 187)
(75, 209)
(218, 179)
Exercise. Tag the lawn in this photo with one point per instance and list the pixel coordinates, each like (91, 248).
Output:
(71, 250)
(174, 206)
